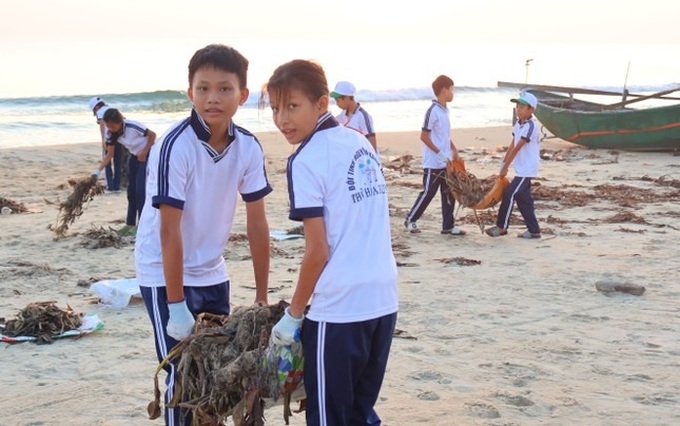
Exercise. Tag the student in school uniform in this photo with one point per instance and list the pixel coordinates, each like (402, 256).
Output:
(138, 140)
(438, 150)
(114, 168)
(348, 270)
(524, 153)
(196, 173)
(353, 115)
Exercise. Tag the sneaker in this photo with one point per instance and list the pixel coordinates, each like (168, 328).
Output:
(529, 235)
(454, 231)
(495, 231)
(411, 227)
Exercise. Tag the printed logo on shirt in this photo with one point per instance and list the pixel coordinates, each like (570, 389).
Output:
(362, 176)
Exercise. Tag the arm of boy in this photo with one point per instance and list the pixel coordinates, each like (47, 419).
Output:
(425, 138)
(150, 139)
(454, 150)
(181, 321)
(513, 149)
(106, 160)
(257, 229)
(314, 261)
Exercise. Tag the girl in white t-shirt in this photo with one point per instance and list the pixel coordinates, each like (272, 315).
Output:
(348, 270)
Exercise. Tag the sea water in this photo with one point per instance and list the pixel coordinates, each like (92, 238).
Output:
(57, 120)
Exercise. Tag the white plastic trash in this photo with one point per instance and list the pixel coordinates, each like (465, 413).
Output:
(116, 293)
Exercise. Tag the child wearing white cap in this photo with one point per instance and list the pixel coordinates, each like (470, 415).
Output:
(524, 152)
(353, 115)
(114, 167)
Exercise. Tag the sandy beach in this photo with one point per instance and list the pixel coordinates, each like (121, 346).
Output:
(493, 331)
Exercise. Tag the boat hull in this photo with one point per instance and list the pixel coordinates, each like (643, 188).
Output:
(587, 124)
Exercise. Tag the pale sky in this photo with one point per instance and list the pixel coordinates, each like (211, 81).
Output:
(90, 46)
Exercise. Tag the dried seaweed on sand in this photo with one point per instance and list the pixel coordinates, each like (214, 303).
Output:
(84, 191)
(43, 320)
(98, 237)
(222, 368)
(14, 206)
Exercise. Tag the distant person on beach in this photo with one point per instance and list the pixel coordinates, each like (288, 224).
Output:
(438, 150)
(138, 140)
(348, 270)
(196, 173)
(525, 154)
(353, 115)
(114, 167)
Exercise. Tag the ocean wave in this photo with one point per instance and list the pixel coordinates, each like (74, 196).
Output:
(168, 101)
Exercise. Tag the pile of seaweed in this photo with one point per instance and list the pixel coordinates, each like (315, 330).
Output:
(43, 320)
(222, 369)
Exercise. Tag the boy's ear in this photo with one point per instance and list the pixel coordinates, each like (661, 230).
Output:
(244, 96)
(190, 94)
(323, 102)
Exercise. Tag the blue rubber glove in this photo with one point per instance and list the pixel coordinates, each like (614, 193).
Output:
(443, 156)
(95, 173)
(181, 321)
(287, 330)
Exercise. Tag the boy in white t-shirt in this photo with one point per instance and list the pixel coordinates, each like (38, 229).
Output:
(524, 152)
(353, 115)
(137, 139)
(438, 150)
(196, 172)
(338, 191)
(114, 169)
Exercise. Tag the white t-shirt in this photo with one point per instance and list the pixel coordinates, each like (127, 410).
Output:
(134, 136)
(438, 124)
(185, 172)
(335, 174)
(361, 121)
(528, 158)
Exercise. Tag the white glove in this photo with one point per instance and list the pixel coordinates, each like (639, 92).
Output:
(287, 330)
(443, 156)
(181, 321)
(95, 173)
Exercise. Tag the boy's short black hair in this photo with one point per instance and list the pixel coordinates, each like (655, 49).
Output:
(221, 57)
(112, 115)
(440, 83)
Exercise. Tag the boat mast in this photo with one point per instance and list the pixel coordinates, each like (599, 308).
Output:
(625, 83)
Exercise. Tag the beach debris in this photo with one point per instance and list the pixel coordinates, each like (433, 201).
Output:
(403, 334)
(99, 237)
(401, 163)
(8, 206)
(84, 191)
(611, 286)
(42, 320)
(462, 261)
(222, 369)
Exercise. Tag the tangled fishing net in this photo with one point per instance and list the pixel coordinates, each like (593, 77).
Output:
(43, 320)
(227, 367)
(84, 191)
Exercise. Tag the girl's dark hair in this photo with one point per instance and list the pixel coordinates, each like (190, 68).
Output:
(223, 58)
(299, 74)
(112, 115)
(440, 83)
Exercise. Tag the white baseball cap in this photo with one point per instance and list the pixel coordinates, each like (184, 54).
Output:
(526, 98)
(95, 101)
(343, 88)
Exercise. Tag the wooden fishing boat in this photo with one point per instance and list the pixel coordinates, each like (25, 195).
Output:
(613, 126)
